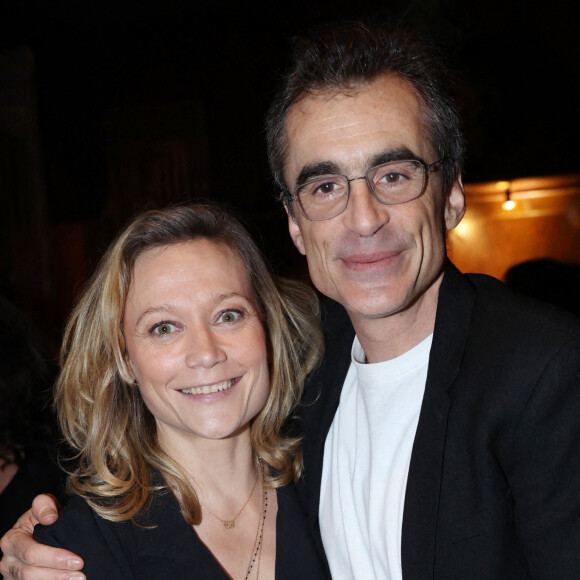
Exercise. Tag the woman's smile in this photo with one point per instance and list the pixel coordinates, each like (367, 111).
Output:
(208, 389)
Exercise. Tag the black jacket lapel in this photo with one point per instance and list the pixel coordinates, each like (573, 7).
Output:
(456, 299)
(320, 401)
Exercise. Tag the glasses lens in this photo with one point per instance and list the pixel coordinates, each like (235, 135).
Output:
(323, 197)
(397, 181)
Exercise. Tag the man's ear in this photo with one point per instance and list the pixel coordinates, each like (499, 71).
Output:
(455, 204)
(294, 229)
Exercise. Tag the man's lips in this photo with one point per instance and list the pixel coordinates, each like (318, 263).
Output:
(370, 260)
(211, 388)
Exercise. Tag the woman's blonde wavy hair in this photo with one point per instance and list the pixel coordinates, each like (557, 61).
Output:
(101, 412)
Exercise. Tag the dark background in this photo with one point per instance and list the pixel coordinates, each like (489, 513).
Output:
(138, 101)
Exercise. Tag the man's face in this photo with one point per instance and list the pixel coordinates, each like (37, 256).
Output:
(375, 259)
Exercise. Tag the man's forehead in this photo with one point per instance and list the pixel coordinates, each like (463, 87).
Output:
(351, 128)
(384, 89)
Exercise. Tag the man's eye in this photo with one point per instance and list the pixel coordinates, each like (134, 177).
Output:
(326, 188)
(230, 316)
(163, 328)
(391, 177)
(397, 173)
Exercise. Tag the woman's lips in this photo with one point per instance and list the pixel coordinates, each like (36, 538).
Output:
(208, 389)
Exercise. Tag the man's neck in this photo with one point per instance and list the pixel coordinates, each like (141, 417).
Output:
(390, 336)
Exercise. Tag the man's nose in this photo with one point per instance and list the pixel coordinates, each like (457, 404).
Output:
(364, 214)
(203, 348)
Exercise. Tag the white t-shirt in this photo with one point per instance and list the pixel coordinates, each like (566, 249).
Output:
(366, 463)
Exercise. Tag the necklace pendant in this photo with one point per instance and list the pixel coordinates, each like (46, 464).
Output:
(229, 524)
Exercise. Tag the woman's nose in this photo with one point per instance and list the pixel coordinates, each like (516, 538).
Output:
(203, 349)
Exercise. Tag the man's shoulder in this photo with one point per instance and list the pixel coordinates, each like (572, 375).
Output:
(496, 316)
(500, 300)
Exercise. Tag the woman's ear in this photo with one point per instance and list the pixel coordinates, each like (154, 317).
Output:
(129, 371)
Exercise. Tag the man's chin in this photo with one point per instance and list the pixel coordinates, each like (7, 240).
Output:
(374, 303)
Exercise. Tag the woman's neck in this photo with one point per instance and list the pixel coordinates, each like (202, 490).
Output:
(221, 471)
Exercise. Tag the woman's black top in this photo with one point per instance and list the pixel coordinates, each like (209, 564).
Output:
(172, 549)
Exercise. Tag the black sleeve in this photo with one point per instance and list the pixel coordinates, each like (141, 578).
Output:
(543, 467)
(80, 530)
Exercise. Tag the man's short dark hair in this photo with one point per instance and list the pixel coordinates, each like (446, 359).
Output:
(339, 58)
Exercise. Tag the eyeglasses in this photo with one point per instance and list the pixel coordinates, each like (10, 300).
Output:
(325, 197)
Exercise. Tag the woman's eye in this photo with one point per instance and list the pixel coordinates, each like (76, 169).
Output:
(230, 316)
(163, 328)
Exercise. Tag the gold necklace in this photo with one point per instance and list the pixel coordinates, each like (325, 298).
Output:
(257, 547)
(229, 524)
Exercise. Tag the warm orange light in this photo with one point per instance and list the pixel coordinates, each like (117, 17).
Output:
(463, 228)
(502, 185)
(508, 205)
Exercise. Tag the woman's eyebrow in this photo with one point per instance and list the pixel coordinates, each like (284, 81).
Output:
(154, 310)
(169, 308)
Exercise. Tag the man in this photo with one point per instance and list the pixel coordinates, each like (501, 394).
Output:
(441, 434)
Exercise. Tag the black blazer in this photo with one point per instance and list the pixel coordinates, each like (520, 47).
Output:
(124, 551)
(494, 482)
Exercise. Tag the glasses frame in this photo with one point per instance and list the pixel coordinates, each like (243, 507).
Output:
(427, 168)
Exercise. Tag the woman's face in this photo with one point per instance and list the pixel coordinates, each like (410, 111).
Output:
(195, 341)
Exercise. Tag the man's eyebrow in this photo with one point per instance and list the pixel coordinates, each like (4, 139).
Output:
(315, 170)
(388, 155)
(312, 170)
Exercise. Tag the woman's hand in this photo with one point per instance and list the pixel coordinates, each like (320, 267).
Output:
(25, 559)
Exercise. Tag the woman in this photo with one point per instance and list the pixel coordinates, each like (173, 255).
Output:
(181, 364)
